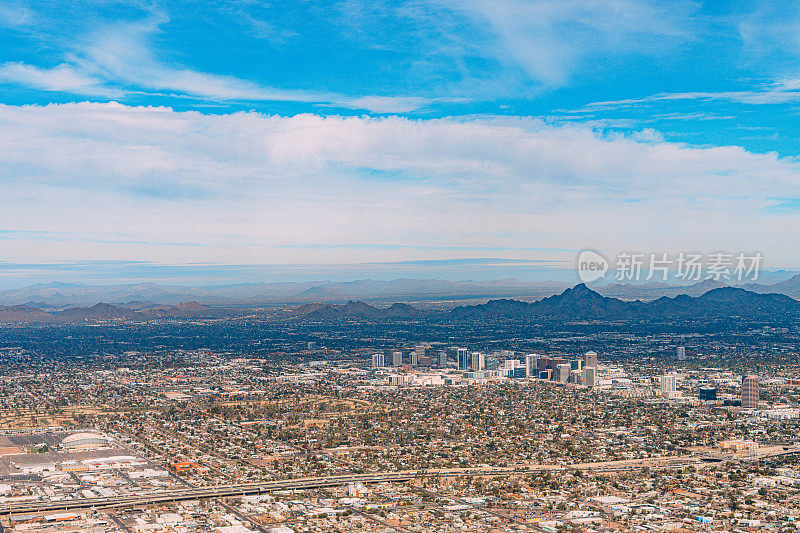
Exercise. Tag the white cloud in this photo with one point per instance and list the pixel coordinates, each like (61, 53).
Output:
(783, 92)
(121, 54)
(550, 39)
(390, 104)
(248, 185)
(769, 30)
(15, 15)
(62, 78)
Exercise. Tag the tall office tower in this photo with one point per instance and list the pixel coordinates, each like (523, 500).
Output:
(576, 376)
(531, 365)
(414, 358)
(397, 358)
(589, 376)
(668, 389)
(681, 353)
(545, 363)
(491, 362)
(420, 349)
(562, 372)
(750, 392)
(478, 361)
(576, 364)
(378, 360)
(442, 359)
(463, 358)
(590, 359)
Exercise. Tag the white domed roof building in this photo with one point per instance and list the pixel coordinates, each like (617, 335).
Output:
(85, 441)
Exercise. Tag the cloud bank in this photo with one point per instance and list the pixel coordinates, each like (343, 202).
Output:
(92, 181)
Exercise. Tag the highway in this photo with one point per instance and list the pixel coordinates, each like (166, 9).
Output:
(223, 491)
(192, 493)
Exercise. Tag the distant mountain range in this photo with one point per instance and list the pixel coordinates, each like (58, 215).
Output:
(61, 295)
(103, 312)
(655, 290)
(579, 303)
(357, 310)
(53, 297)
(582, 303)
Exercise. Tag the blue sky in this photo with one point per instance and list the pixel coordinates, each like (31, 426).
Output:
(341, 133)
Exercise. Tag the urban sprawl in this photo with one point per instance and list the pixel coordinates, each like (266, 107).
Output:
(428, 437)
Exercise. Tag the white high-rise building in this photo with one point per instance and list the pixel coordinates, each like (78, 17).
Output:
(414, 359)
(590, 359)
(531, 365)
(668, 386)
(681, 351)
(589, 376)
(442, 359)
(397, 358)
(478, 361)
(562, 372)
(378, 360)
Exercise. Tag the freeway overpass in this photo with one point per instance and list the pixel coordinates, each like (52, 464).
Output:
(763, 453)
(215, 491)
(246, 489)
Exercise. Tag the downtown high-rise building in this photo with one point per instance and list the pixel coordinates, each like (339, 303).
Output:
(378, 360)
(590, 359)
(442, 359)
(589, 376)
(545, 363)
(463, 358)
(668, 386)
(750, 392)
(562, 372)
(397, 358)
(478, 361)
(531, 365)
(681, 352)
(414, 358)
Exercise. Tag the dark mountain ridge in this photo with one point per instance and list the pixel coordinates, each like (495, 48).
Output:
(582, 303)
(578, 303)
(51, 296)
(353, 309)
(102, 312)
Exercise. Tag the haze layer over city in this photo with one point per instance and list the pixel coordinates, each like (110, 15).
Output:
(407, 266)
